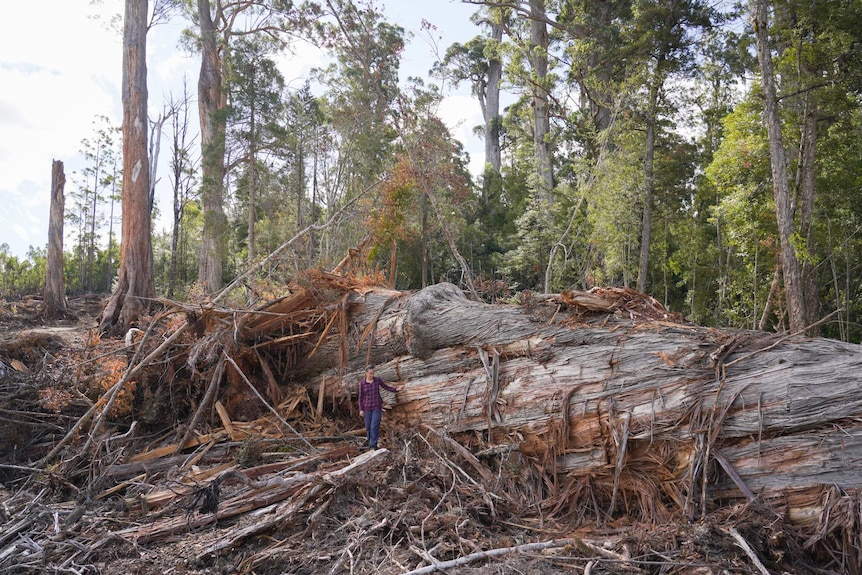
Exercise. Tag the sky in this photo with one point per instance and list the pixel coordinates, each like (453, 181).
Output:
(55, 78)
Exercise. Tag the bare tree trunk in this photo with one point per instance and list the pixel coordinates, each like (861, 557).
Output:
(769, 306)
(300, 181)
(135, 287)
(806, 214)
(312, 238)
(155, 144)
(538, 57)
(649, 181)
(423, 206)
(597, 93)
(252, 184)
(180, 174)
(492, 103)
(175, 233)
(211, 102)
(155, 147)
(109, 275)
(91, 248)
(780, 183)
(54, 303)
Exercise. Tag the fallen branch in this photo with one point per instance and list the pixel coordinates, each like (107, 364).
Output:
(740, 540)
(486, 473)
(732, 473)
(266, 403)
(166, 450)
(442, 566)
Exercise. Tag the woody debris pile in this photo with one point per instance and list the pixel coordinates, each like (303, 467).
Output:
(589, 432)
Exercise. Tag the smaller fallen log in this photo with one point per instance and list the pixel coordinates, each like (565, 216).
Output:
(301, 486)
(172, 449)
(191, 482)
(285, 511)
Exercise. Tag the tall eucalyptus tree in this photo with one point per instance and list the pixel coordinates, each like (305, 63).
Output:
(135, 286)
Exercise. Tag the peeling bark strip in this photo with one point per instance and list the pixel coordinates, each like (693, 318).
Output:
(612, 399)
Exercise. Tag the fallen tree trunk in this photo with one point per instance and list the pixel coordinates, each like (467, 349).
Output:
(595, 403)
(610, 400)
(562, 408)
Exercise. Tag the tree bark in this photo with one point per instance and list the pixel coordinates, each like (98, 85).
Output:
(573, 384)
(109, 276)
(492, 102)
(91, 240)
(769, 306)
(649, 179)
(155, 144)
(212, 100)
(54, 303)
(806, 212)
(252, 180)
(423, 208)
(135, 286)
(538, 57)
(780, 182)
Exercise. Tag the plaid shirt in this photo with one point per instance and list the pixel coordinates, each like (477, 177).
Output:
(369, 394)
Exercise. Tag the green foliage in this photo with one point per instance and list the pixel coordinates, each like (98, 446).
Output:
(837, 230)
(425, 196)
(95, 191)
(744, 213)
(615, 213)
(19, 277)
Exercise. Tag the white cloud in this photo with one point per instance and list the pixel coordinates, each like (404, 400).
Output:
(296, 64)
(462, 113)
(55, 81)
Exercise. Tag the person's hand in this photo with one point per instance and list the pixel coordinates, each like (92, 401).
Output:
(361, 413)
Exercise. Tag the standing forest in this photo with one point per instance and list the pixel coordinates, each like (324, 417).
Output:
(627, 343)
(704, 153)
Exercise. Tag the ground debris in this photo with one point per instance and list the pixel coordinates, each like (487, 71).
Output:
(403, 509)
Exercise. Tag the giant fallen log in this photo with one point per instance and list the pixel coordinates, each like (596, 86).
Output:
(595, 403)
(615, 398)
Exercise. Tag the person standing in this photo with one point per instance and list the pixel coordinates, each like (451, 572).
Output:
(371, 404)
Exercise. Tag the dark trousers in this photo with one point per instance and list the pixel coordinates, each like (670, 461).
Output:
(372, 426)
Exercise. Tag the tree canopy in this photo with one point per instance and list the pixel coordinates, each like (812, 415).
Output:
(628, 144)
